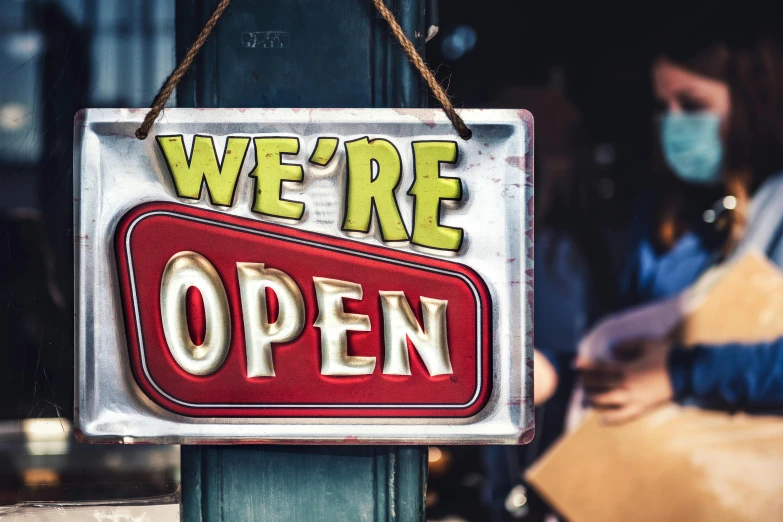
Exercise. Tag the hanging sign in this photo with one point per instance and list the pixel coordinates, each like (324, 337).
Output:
(313, 275)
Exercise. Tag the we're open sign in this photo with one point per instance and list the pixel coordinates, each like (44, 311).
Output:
(314, 275)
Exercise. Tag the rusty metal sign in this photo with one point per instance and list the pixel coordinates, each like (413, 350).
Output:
(312, 275)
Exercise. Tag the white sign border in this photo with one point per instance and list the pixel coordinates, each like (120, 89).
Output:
(109, 405)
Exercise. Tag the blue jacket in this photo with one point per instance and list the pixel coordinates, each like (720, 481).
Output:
(745, 377)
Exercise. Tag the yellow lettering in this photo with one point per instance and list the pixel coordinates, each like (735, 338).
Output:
(429, 189)
(190, 174)
(366, 191)
(270, 173)
(324, 151)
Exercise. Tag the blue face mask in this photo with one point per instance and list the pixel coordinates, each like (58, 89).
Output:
(692, 146)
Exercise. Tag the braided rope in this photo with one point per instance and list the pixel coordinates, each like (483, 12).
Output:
(171, 82)
(426, 73)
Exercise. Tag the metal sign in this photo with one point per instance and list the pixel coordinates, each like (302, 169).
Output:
(313, 275)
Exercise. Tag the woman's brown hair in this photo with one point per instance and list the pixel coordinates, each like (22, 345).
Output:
(753, 71)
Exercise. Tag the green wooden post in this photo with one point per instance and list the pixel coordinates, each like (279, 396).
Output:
(302, 53)
(308, 483)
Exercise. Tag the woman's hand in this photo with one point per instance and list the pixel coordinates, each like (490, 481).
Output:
(544, 378)
(634, 383)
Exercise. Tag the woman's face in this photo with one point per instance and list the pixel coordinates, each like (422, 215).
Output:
(695, 126)
(681, 91)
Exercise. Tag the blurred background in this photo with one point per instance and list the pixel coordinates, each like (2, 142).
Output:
(56, 58)
(582, 69)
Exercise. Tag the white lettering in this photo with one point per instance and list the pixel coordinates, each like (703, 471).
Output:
(399, 324)
(334, 322)
(184, 270)
(254, 279)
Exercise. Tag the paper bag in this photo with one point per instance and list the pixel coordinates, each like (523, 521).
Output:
(680, 464)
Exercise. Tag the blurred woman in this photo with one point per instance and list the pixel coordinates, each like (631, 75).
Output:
(572, 285)
(721, 134)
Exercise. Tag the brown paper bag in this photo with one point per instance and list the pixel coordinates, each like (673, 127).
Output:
(683, 464)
